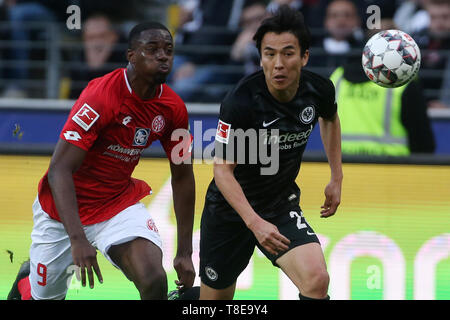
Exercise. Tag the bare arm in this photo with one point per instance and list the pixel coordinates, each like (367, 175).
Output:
(330, 131)
(66, 160)
(183, 186)
(266, 233)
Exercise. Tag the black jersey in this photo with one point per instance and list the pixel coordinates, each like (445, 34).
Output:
(250, 107)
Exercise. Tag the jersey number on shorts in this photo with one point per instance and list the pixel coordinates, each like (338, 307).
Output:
(300, 225)
(42, 271)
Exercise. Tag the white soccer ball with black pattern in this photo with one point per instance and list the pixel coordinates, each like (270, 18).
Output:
(391, 58)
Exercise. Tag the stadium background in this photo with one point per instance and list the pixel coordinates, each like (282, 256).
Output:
(389, 240)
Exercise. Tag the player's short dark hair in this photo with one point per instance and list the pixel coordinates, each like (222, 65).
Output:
(137, 29)
(285, 19)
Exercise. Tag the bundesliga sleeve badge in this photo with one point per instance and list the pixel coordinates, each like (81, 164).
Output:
(223, 132)
(86, 117)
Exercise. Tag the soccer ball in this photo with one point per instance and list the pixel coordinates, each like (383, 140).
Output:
(391, 58)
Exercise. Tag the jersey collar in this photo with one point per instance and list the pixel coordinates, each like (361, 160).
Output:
(159, 94)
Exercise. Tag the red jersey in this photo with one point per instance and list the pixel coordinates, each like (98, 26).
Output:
(114, 126)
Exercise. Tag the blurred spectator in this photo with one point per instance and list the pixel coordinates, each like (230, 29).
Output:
(193, 78)
(343, 27)
(377, 120)
(30, 40)
(387, 9)
(310, 9)
(411, 16)
(434, 43)
(244, 50)
(18, 13)
(100, 53)
(189, 17)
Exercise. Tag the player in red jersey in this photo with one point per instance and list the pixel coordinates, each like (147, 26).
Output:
(88, 200)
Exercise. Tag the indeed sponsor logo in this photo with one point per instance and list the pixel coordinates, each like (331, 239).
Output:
(287, 137)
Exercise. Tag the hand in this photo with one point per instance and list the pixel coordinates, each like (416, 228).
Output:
(185, 270)
(269, 237)
(332, 199)
(85, 256)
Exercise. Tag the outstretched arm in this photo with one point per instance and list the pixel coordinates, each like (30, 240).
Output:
(330, 131)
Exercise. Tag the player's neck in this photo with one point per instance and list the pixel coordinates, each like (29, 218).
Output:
(141, 87)
(284, 95)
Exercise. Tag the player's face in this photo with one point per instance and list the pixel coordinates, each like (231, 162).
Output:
(341, 19)
(153, 57)
(439, 19)
(282, 62)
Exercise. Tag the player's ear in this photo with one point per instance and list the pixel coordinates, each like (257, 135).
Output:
(130, 56)
(305, 58)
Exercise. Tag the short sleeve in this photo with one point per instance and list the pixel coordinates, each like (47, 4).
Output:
(86, 119)
(328, 107)
(177, 141)
(233, 118)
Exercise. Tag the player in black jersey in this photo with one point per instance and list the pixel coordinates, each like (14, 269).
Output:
(248, 203)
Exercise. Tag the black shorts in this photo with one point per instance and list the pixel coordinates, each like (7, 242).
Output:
(227, 246)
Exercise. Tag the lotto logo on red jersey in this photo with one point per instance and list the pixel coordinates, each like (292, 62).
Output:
(72, 135)
(223, 132)
(86, 117)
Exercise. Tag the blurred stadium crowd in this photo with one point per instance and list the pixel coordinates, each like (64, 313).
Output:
(40, 57)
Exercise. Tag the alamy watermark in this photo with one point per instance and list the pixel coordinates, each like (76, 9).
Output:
(374, 279)
(73, 21)
(74, 281)
(374, 20)
(226, 145)
(250, 146)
